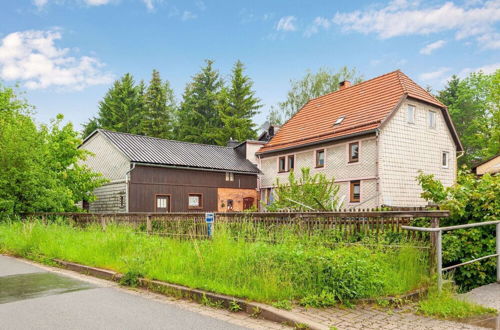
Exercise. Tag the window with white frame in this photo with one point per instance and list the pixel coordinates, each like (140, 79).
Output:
(431, 119)
(410, 114)
(194, 201)
(229, 176)
(445, 159)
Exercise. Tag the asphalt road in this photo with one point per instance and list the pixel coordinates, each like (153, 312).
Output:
(34, 298)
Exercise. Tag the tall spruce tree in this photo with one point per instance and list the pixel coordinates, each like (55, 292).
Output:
(158, 109)
(198, 117)
(237, 107)
(121, 108)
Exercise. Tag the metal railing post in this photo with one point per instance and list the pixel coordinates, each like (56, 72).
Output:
(498, 252)
(439, 257)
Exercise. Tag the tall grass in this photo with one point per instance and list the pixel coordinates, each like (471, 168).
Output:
(289, 268)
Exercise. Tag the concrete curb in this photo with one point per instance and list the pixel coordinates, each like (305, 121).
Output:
(252, 308)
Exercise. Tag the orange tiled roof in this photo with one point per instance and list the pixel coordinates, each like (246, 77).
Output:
(364, 106)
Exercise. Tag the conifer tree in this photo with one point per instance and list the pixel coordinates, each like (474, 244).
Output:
(120, 109)
(158, 108)
(239, 104)
(198, 117)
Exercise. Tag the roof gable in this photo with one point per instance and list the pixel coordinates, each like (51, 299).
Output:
(150, 150)
(364, 107)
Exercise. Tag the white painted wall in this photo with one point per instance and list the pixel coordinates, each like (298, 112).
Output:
(406, 148)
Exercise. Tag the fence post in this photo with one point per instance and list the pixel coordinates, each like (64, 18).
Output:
(498, 252)
(149, 227)
(103, 222)
(439, 260)
(434, 252)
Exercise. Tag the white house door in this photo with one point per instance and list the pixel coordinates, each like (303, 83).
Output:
(162, 203)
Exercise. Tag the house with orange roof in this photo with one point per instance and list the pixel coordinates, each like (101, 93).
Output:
(373, 138)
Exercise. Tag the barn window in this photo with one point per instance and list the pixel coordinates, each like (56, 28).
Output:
(229, 176)
(122, 201)
(195, 201)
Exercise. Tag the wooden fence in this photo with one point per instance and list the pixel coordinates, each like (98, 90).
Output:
(272, 224)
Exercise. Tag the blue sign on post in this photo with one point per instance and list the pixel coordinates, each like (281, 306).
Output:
(209, 219)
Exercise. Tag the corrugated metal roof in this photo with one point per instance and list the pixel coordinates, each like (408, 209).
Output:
(150, 150)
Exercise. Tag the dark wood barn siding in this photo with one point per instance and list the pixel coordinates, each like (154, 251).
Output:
(148, 181)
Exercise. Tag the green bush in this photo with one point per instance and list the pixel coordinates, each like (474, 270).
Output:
(472, 199)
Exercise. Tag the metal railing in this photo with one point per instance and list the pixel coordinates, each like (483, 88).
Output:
(438, 239)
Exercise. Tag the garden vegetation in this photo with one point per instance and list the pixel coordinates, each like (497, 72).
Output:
(293, 268)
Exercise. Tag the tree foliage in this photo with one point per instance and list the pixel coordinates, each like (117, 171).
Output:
(39, 168)
(471, 199)
(136, 108)
(308, 193)
(312, 85)
(474, 106)
(239, 105)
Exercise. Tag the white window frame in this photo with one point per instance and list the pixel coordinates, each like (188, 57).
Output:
(410, 119)
(447, 155)
(315, 158)
(431, 114)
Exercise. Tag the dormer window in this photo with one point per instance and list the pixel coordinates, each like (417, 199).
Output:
(339, 121)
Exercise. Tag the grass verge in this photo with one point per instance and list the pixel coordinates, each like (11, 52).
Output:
(292, 269)
(447, 305)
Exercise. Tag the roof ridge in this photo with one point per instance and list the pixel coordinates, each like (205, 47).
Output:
(438, 102)
(355, 85)
(401, 82)
(169, 140)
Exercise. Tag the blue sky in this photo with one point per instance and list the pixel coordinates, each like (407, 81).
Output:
(66, 53)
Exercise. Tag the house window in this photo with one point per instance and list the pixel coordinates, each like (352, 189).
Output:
(445, 159)
(122, 201)
(353, 152)
(355, 191)
(410, 114)
(320, 158)
(162, 202)
(229, 176)
(431, 115)
(282, 164)
(230, 204)
(291, 162)
(195, 201)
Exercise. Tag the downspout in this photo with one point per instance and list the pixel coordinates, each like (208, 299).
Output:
(127, 182)
(377, 155)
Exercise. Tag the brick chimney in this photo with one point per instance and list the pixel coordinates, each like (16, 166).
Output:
(344, 84)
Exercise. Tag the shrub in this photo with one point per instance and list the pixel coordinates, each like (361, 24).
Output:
(472, 199)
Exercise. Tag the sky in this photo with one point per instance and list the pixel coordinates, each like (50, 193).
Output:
(65, 54)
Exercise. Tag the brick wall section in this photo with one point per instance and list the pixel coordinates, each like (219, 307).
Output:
(407, 148)
(336, 166)
(237, 195)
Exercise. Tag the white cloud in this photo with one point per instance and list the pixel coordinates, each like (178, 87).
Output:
(434, 75)
(187, 15)
(486, 69)
(40, 3)
(287, 24)
(201, 5)
(319, 22)
(33, 58)
(428, 49)
(97, 2)
(400, 18)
